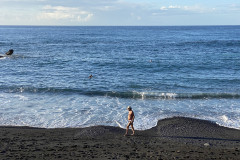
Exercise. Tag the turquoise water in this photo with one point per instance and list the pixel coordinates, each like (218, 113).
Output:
(160, 71)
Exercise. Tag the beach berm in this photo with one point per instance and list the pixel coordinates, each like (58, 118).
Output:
(172, 138)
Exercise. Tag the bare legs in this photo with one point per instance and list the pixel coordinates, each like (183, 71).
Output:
(130, 124)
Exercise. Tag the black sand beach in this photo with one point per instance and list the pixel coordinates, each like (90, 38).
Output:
(172, 138)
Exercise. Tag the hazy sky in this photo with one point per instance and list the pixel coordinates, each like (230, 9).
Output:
(120, 12)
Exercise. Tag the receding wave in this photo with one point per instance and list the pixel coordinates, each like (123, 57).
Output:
(127, 94)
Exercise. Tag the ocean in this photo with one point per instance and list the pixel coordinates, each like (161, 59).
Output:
(165, 71)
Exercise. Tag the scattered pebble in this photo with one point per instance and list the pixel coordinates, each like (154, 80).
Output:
(206, 144)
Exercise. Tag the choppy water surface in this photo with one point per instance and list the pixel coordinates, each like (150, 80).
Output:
(160, 71)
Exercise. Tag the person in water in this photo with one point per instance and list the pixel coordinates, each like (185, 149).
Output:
(130, 120)
(8, 53)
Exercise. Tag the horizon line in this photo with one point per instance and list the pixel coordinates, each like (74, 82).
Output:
(121, 25)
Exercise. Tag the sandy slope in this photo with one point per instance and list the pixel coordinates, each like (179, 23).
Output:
(173, 138)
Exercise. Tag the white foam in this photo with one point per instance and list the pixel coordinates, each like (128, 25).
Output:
(53, 111)
(224, 118)
(21, 97)
(170, 95)
(119, 124)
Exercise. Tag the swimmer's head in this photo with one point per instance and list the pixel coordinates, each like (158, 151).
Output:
(10, 52)
(129, 108)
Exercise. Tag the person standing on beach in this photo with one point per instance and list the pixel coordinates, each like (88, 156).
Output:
(130, 120)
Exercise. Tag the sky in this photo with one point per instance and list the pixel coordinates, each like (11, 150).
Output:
(119, 12)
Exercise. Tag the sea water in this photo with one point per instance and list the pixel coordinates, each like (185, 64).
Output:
(191, 71)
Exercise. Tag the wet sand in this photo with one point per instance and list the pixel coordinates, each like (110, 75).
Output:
(172, 138)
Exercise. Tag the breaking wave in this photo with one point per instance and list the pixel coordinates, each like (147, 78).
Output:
(127, 94)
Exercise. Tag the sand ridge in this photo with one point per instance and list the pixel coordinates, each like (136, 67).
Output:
(172, 138)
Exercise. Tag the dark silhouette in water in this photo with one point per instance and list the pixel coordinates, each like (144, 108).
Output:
(8, 53)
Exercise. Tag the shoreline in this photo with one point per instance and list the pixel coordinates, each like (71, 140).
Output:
(172, 138)
(119, 125)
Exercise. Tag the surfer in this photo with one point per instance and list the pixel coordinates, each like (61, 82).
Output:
(130, 120)
(90, 77)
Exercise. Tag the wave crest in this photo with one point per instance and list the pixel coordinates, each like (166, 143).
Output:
(127, 94)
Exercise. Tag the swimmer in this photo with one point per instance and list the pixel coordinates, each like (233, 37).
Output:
(10, 52)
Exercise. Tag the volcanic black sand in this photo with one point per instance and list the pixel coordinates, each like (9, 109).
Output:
(172, 138)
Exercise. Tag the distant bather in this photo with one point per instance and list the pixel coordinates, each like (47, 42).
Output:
(10, 52)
